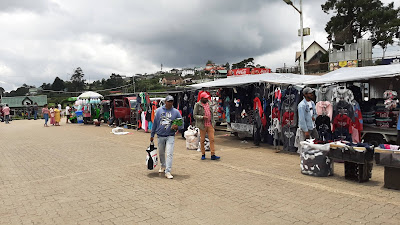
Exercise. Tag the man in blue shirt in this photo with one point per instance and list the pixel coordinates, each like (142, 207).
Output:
(307, 115)
(165, 131)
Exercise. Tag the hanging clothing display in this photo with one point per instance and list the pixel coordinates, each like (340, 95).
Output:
(341, 93)
(324, 108)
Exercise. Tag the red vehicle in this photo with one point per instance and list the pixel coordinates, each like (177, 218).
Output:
(124, 109)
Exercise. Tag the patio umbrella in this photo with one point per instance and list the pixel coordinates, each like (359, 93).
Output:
(89, 95)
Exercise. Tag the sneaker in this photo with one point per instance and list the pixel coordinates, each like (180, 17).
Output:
(214, 157)
(161, 170)
(169, 176)
(203, 157)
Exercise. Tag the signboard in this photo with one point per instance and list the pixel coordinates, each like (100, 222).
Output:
(338, 65)
(306, 31)
(260, 70)
(248, 71)
(243, 71)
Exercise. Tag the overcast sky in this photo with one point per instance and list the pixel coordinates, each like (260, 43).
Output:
(43, 39)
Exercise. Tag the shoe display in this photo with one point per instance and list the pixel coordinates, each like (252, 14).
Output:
(214, 157)
(169, 176)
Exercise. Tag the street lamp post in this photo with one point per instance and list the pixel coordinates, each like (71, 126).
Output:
(134, 84)
(289, 2)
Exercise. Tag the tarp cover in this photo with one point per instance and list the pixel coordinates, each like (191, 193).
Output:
(341, 75)
(275, 78)
(357, 73)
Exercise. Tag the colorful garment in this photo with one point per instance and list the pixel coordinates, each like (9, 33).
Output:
(207, 113)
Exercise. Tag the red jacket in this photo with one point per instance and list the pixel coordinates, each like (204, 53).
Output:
(342, 121)
(257, 105)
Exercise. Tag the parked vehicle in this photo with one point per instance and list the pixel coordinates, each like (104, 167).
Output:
(123, 109)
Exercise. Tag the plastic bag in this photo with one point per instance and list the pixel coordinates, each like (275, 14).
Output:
(192, 136)
(178, 122)
(206, 145)
(152, 157)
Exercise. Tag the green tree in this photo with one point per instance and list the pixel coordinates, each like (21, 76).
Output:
(2, 91)
(78, 83)
(227, 66)
(209, 62)
(353, 19)
(45, 86)
(243, 63)
(115, 80)
(21, 91)
(58, 84)
(96, 85)
(387, 27)
(69, 86)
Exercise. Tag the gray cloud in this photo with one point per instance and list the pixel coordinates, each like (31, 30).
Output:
(26, 5)
(43, 39)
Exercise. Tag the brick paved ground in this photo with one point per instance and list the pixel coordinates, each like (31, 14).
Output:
(77, 174)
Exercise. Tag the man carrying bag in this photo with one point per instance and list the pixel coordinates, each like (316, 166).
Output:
(167, 121)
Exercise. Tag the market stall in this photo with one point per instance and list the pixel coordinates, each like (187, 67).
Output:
(262, 106)
(369, 95)
(88, 107)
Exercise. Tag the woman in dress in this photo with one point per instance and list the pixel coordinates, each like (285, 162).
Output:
(57, 116)
(45, 113)
(52, 114)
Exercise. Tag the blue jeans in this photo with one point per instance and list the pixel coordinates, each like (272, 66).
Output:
(46, 118)
(35, 115)
(7, 118)
(166, 144)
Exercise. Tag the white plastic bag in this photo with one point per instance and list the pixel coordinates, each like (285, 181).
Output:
(206, 145)
(192, 136)
(119, 131)
(309, 144)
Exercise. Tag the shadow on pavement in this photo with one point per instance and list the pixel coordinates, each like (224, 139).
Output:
(161, 175)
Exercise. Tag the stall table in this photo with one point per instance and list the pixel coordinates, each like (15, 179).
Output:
(357, 161)
(390, 159)
(382, 135)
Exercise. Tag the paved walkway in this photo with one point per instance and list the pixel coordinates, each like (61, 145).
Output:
(81, 174)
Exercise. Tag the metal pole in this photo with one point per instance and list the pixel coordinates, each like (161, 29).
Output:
(134, 84)
(302, 44)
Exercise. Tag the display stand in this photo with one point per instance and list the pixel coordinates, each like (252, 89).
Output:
(390, 159)
(357, 161)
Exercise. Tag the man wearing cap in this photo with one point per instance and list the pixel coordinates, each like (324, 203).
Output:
(165, 130)
(307, 115)
(203, 114)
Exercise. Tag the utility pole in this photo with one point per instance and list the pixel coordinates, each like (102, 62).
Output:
(289, 2)
(134, 84)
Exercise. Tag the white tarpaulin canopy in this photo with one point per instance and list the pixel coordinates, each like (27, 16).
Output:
(275, 78)
(90, 95)
(346, 74)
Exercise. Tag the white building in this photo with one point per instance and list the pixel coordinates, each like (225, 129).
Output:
(187, 71)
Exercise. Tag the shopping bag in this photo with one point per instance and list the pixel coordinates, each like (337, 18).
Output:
(192, 136)
(151, 158)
